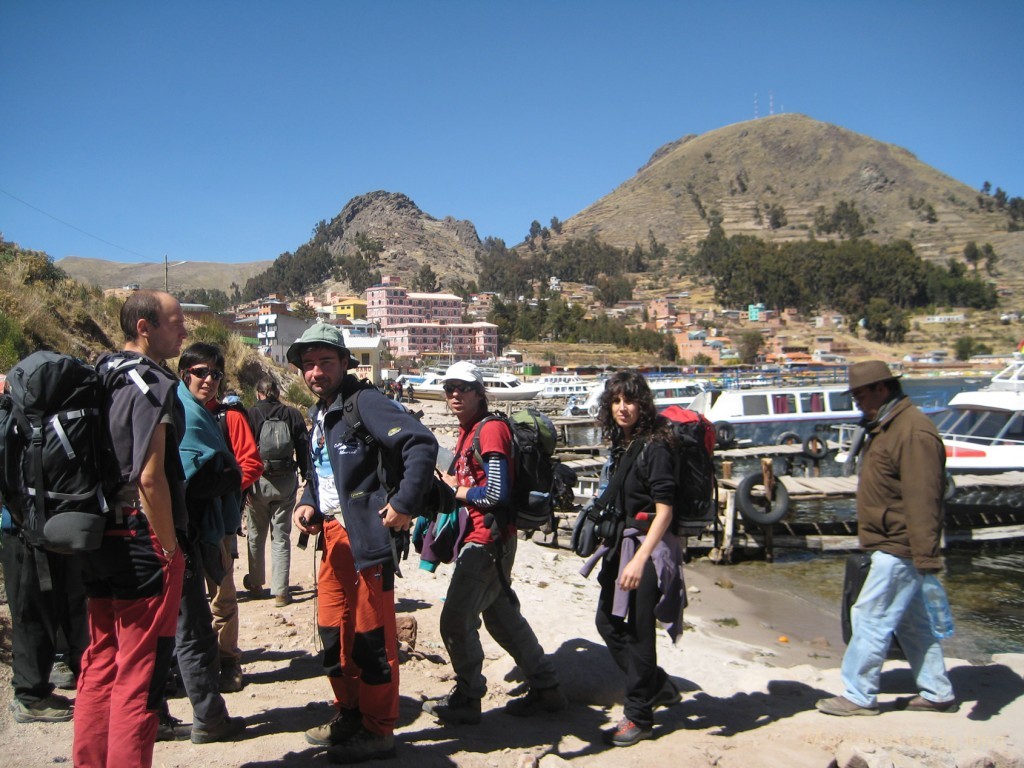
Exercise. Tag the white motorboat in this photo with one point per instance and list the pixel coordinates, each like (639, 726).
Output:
(499, 386)
(776, 414)
(563, 385)
(667, 391)
(983, 430)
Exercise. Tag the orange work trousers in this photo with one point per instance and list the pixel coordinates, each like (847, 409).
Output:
(356, 618)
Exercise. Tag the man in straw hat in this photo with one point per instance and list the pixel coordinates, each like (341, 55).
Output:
(899, 521)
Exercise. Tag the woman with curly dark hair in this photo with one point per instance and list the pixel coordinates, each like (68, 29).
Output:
(641, 574)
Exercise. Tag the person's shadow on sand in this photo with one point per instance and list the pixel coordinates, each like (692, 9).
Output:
(742, 711)
(989, 686)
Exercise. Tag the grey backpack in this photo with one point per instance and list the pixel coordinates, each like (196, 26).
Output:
(276, 446)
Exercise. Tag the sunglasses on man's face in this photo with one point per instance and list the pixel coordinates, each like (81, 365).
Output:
(460, 387)
(202, 372)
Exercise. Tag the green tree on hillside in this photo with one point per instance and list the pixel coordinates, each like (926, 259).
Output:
(304, 310)
(214, 298)
(361, 268)
(609, 291)
(749, 346)
(967, 347)
(885, 322)
(972, 254)
(425, 280)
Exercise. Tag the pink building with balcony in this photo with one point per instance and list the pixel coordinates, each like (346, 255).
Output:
(423, 324)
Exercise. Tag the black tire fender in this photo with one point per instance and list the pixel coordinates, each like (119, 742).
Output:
(815, 447)
(753, 509)
(787, 438)
(725, 434)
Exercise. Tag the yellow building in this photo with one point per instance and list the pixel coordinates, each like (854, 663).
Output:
(349, 308)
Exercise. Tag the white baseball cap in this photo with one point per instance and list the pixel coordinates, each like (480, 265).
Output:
(464, 371)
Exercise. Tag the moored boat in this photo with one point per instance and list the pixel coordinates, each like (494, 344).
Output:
(499, 386)
(983, 430)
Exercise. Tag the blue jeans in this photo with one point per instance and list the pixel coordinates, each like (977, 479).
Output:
(890, 603)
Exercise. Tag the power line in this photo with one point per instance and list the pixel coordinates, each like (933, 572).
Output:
(77, 229)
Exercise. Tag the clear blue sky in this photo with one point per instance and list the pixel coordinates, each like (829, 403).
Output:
(223, 131)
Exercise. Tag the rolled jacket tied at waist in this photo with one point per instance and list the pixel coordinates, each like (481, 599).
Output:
(668, 566)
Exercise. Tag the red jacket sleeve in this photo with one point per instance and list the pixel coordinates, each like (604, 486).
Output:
(243, 445)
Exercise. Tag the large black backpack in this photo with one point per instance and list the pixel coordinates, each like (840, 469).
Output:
(696, 499)
(537, 482)
(57, 465)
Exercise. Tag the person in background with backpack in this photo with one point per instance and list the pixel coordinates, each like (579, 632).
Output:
(641, 572)
(134, 579)
(40, 621)
(283, 444)
(234, 426)
(345, 501)
(481, 582)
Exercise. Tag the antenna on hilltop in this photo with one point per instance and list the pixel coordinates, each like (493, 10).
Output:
(755, 105)
(771, 102)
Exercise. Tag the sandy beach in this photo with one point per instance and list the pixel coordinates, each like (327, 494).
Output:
(751, 664)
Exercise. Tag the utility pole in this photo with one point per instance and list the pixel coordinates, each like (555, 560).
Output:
(165, 273)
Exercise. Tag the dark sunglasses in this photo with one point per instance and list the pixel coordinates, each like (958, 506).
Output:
(460, 387)
(202, 372)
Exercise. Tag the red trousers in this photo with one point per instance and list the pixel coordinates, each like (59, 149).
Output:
(356, 617)
(131, 641)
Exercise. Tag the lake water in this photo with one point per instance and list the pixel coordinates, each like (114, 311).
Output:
(985, 586)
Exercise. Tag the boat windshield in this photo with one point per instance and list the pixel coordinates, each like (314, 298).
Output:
(986, 427)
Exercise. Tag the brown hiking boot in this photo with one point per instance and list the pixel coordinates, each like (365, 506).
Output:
(341, 727)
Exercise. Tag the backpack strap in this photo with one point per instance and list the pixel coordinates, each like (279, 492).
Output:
(611, 491)
(356, 428)
(476, 435)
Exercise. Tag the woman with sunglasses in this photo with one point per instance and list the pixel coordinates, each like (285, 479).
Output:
(641, 573)
(481, 582)
(212, 496)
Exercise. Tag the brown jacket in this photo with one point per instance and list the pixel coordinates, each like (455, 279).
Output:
(899, 497)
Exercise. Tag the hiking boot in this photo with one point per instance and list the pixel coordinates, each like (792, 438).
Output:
(363, 745)
(840, 706)
(231, 680)
(454, 708)
(256, 591)
(921, 704)
(62, 677)
(170, 728)
(627, 733)
(538, 700)
(53, 709)
(225, 730)
(668, 695)
(343, 726)
(280, 601)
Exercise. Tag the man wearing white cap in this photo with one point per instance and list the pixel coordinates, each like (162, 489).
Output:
(899, 520)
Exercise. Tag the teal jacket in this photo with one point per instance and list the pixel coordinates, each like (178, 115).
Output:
(214, 510)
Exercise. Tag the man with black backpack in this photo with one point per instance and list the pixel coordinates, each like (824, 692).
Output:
(284, 447)
(134, 579)
(358, 516)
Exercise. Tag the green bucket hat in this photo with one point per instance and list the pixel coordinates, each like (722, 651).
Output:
(318, 335)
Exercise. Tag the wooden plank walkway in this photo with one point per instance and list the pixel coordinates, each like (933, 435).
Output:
(820, 487)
